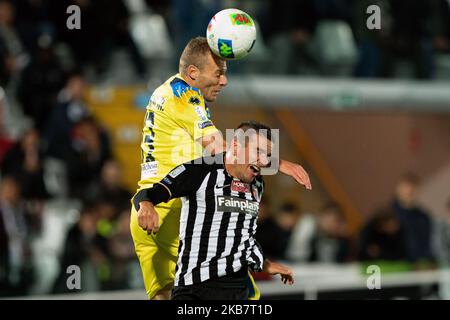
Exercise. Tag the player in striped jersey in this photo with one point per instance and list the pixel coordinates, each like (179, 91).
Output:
(220, 205)
(177, 128)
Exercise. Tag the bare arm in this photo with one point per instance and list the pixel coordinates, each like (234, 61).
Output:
(273, 268)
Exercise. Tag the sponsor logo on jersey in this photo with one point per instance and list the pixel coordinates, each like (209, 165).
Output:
(240, 186)
(175, 172)
(149, 170)
(201, 113)
(233, 204)
(205, 124)
(194, 101)
(157, 102)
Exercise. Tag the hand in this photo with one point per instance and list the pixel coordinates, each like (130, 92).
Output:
(297, 172)
(148, 218)
(273, 268)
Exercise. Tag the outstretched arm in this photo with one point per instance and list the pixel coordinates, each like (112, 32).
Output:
(296, 171)
(273, 268)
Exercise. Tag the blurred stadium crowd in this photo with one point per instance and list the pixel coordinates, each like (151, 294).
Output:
(61, 198)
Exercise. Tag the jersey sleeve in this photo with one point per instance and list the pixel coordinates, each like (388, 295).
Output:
(181, 181)
(192, 115)
(255, 260)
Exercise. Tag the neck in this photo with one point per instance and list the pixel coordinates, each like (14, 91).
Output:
(188, 80)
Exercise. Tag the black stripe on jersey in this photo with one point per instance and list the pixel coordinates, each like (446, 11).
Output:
(180, 248)
(148, 139)
(236, 243)
(252, 227)
(210, 206)
(221, 242)
(190, 224)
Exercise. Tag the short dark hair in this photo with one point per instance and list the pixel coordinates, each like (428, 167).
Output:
(257, 126)
(194, 54)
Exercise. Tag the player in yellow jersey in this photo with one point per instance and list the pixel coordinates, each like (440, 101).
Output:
(177, 127)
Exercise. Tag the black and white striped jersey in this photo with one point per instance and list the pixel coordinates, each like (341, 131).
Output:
(218, 219)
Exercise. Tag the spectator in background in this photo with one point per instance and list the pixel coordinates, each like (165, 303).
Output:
(110, 243)
(24, 161)
(274, 232)
(383, 238)
(104, 26)
(110, 186)
(330, 241)
(69, 110)
(12, 52)
(441, 238)
(90, 149)
(16, 271)
(371, 43)
(33, 20)
(122, 252)
(299, 248)
(412, 35)
(289, 27)
(40, 82)
(415, 222)
(83, 248)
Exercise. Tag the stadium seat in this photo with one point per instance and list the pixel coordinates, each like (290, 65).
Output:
(335, 47)
(151, 35)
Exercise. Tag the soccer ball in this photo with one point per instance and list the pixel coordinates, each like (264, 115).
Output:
(231, 34)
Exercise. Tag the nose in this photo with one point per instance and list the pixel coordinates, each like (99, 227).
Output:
(223, 81)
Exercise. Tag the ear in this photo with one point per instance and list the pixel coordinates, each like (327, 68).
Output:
(193, 72)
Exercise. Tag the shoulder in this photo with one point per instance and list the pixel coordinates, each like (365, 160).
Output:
(209, 163)
(201, 166)
(185, 95)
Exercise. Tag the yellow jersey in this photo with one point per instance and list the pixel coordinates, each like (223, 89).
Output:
(175, 118)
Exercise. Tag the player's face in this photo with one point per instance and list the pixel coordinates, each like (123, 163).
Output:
(257, 155)
(212, 79)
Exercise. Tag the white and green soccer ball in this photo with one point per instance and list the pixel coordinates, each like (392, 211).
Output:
(231, 34)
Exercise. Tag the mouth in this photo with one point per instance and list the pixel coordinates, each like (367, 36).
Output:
(256, 170)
